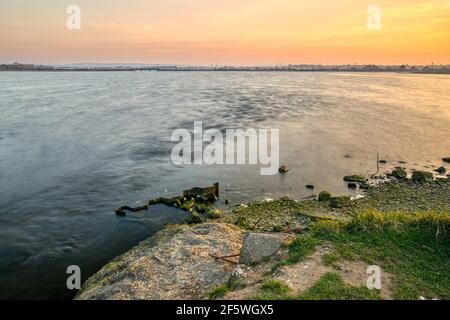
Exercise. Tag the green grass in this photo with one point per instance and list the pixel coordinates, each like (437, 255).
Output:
(331, 287)
(222, 289)
(302, 246)
(273, 289)
(218, 291)
(414, 247)
(329, 259)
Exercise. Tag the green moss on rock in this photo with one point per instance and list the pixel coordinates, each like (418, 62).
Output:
(194, 218)
(422, 176)
(340, 202)
(399, 173)
(354, 178)
(324, 196)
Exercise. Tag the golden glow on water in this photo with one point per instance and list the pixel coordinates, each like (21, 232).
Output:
(227, 31)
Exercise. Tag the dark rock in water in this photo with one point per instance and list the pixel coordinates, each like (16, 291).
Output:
(421, 176)
(441, 170)
(227, 201)
(354, 178)
(121, 211)
(194, 218)
(352, 185)
(447, 159)
(309, 186)
(257, 246)
(324, 196)
(399, 173)
(364, 185)
(283, 169)
(208, 193)
(382, 161)
(340, 202)
(188, 205)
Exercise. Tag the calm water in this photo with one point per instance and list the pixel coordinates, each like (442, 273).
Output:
(73, 146)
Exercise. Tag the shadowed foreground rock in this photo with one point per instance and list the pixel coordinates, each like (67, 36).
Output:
(173, 264)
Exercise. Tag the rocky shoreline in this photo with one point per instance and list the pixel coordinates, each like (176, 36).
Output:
(230, 255)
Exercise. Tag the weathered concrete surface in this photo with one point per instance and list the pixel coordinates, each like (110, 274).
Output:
(173, 264)
(258, 246)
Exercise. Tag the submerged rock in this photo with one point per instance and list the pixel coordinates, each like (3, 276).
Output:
(324, 196)
(257, 246)
(399, 173)
(173, 264)
(340, 202)
(421, 176)
(354, 178)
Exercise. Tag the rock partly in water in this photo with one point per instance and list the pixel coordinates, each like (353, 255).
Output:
(340, 202)
(310, 186)
(446, 159)
(441, 170)
(421, 176)
(324, 196)
(364, 185)
(354, 178)
(257, 246)
(399, 173)
(352, 185)
(173, 264)
(283, 169)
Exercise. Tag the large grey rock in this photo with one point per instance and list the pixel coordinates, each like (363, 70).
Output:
(257, 246)
(173, 264)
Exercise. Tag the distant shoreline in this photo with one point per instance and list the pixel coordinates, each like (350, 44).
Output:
(430, 69)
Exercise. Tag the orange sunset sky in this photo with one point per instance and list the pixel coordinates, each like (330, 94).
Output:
(244, 32)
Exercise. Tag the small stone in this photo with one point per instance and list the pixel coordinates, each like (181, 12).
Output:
(421, 176)
(283, 169)
(382, 161)
(309, 186)
(324, 196)
(226, 201)
(340, 202)
(446, 159)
